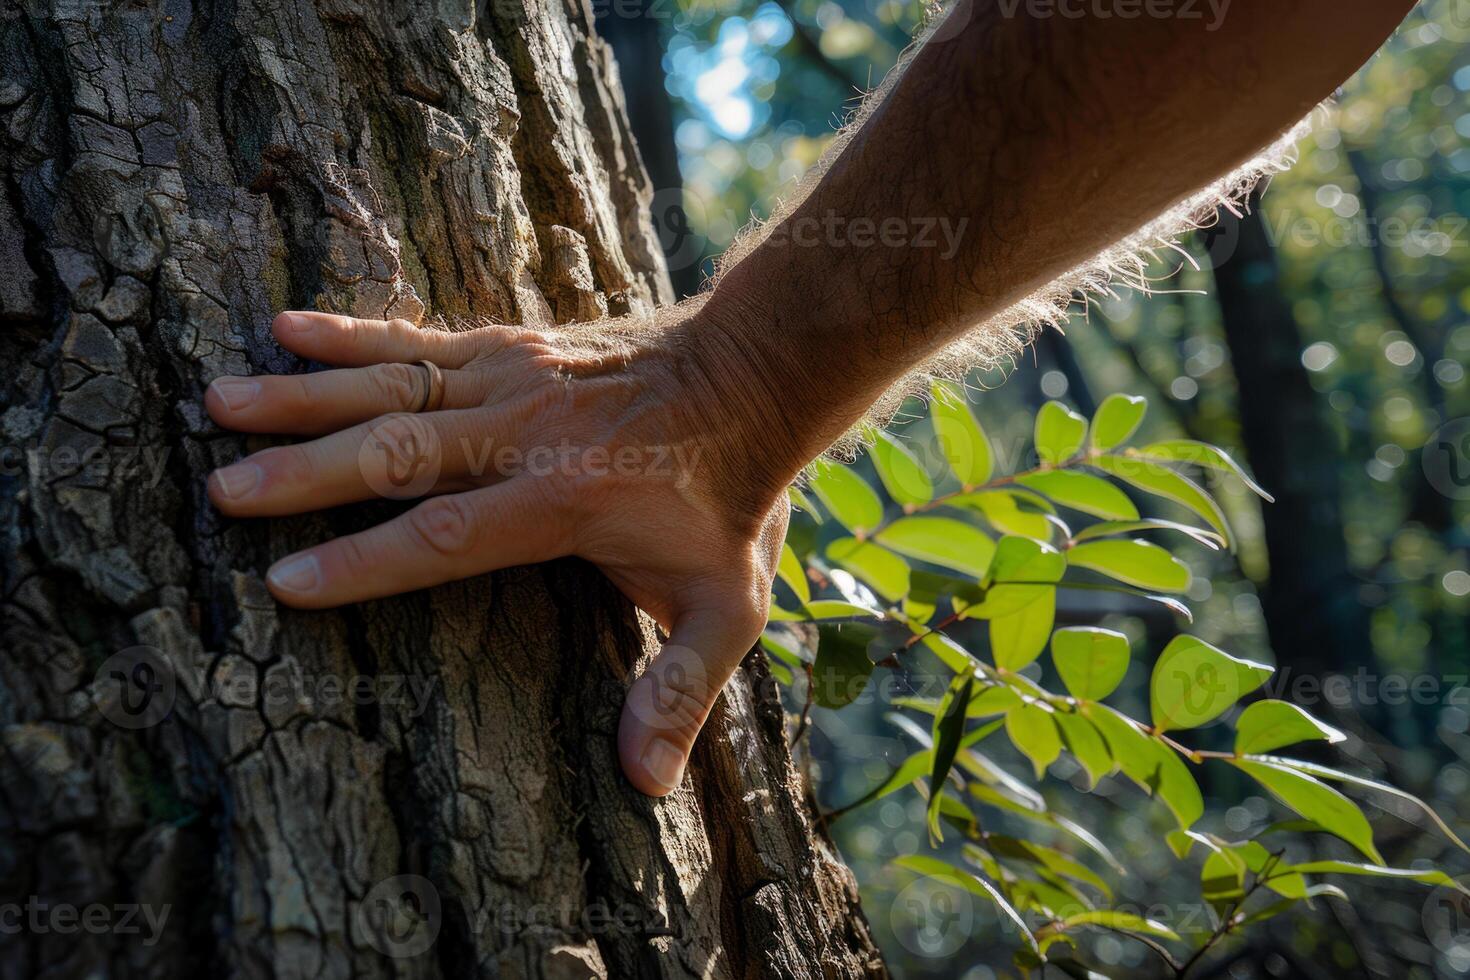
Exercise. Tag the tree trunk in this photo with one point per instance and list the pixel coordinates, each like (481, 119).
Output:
(420, 786)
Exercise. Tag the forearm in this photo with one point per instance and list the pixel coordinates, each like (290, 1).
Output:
(1012, 150)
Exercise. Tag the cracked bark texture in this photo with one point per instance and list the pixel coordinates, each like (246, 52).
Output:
(174, 173)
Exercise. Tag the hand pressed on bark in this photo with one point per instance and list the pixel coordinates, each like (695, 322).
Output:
(1029, 134)
(546, 444)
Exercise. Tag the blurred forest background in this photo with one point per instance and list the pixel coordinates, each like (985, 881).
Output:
(1322, 339)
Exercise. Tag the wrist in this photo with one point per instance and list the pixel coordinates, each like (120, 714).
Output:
(743, 388)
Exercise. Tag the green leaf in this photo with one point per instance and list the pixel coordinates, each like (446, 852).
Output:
(838, 609)
(1428, 876)
(1271, 724)
(1203, 454)
(1084, 741)
(847, 497)
(1034, 733)
(793, 574)
(941, 540)
(1046, 857)
(781, 646)
(1316, 801)
(961, 439)
(1138, 563)
(949, 728)
(1149, 763)
(1091, 661)
(1108, 529)
(1026, 560)
(1116, 419)
(843, 666)
(1121, 921)
(1082, 491)
(951, 654)
(800, 502)
(902, 475)
(1003, 511)
(1164, 482)
(1018, 639)
(1059, 433)
(1194, 682)
(1362, 782)
(885, 572)
(944, 871)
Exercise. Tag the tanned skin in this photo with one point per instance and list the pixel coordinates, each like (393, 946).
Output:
(1044, 139)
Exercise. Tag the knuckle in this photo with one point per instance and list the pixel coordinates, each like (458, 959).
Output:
(401, 437)
(396, 384)
(443, 525)
(682, 698)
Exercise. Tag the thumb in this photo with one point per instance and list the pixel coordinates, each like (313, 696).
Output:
(666, 706)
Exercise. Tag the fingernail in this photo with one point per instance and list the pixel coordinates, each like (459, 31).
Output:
(299, 574)
(238, 480)
(296, 322)
(663, 762)
(236, 393)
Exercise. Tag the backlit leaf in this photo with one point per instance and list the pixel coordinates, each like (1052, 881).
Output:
(1121, 921)
(1084, 741)
(846, 497)
(793, 574)
(1203, 454)
(1082, 491)
(883, 571)
(1138, 563)
(1194, 682)
(1034, 733)
(1149, 763)
(1108, 529)
(1316, 801)
(961, 439)
(941, 540)
(1090, 660)
(902, 475)
(1267, 725)
(1116, 419)
(1059, 433)
(1164, 482)
(1018, 639)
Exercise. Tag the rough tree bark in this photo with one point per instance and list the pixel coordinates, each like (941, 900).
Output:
(174, 173)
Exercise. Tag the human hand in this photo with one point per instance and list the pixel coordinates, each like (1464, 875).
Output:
(603, 441)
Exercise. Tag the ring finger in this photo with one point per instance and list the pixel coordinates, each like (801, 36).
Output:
(325, 401)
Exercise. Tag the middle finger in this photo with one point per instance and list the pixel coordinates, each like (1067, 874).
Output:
(397, 456)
